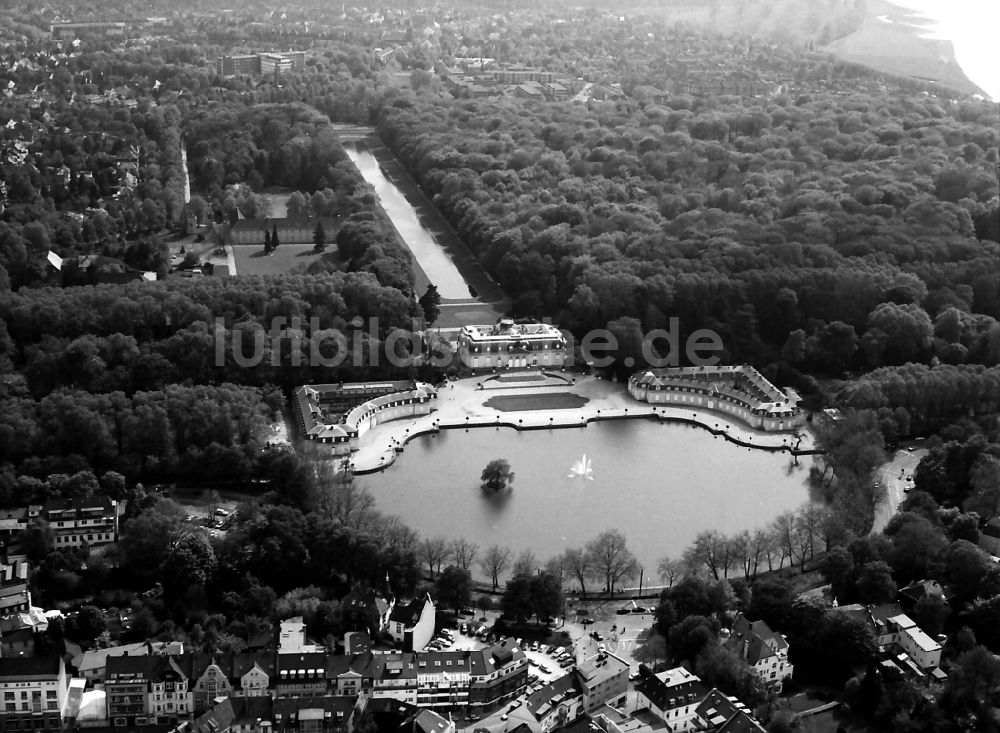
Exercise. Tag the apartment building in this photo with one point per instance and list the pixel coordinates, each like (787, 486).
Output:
(92, 520)
(34, 691)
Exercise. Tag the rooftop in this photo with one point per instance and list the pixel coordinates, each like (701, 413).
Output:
(506, 329)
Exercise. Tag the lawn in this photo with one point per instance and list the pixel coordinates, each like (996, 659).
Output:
(544, 401)
(251, 260)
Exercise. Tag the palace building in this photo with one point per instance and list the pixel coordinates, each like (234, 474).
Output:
(337, 415)
(739, 391)
(507, 344)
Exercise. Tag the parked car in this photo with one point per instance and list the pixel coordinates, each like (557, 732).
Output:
(544, 669)
(640, 609)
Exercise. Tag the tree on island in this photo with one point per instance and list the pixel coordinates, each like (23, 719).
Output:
(430, 301)
(497, 475)
(319, 238)
(267, 242)
(274, 238)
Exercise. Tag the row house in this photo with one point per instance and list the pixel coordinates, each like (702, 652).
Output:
(498, 672)
(230, 675)
(147, 690)
(301, 675)
(158, 688)
(34, 691)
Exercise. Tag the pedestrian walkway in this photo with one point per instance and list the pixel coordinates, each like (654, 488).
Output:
(460, 404)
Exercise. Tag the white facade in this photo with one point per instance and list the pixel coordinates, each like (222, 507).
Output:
(914, 641)
(508, 345)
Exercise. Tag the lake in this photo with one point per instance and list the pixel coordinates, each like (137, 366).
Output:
(659, 484)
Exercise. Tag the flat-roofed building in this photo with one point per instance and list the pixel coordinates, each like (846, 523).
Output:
(239, 65)
(507, 344)
(34, 691)
(603, 678)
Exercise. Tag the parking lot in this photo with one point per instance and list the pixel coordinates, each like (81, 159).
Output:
(546, 663)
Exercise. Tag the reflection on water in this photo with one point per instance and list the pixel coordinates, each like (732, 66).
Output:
(660, 484)
(433, 260)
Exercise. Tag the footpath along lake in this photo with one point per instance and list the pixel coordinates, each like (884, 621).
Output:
(660, 484)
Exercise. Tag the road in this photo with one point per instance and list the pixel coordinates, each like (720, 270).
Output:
(895, 479)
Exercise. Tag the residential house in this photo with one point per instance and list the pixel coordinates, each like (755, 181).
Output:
(292, 638)
(921, 648)
(496, 673)
(92, 664)
(366, 610)
(912, 594)
(394, 676)
(892, 628)
(672, 695)
(14, 594)
(413, 624)
(556, 704)
(92, 520)
(426, 721)
(147, 690)
(442, 679)
(12, 521)
(34, 691)
(327, 714)
(301, 675)
(17, 636)
(169, 693)
(603, 678)
(765, 651)
(348, 674)
(723, 714)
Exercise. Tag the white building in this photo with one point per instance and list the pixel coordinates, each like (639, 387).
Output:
(413, 624)
(34, 692)
(914, 641)
(739, 391)
(507, 344)
(673, 696)
(765, 651)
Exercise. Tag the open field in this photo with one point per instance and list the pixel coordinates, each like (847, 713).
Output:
(251, 260)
